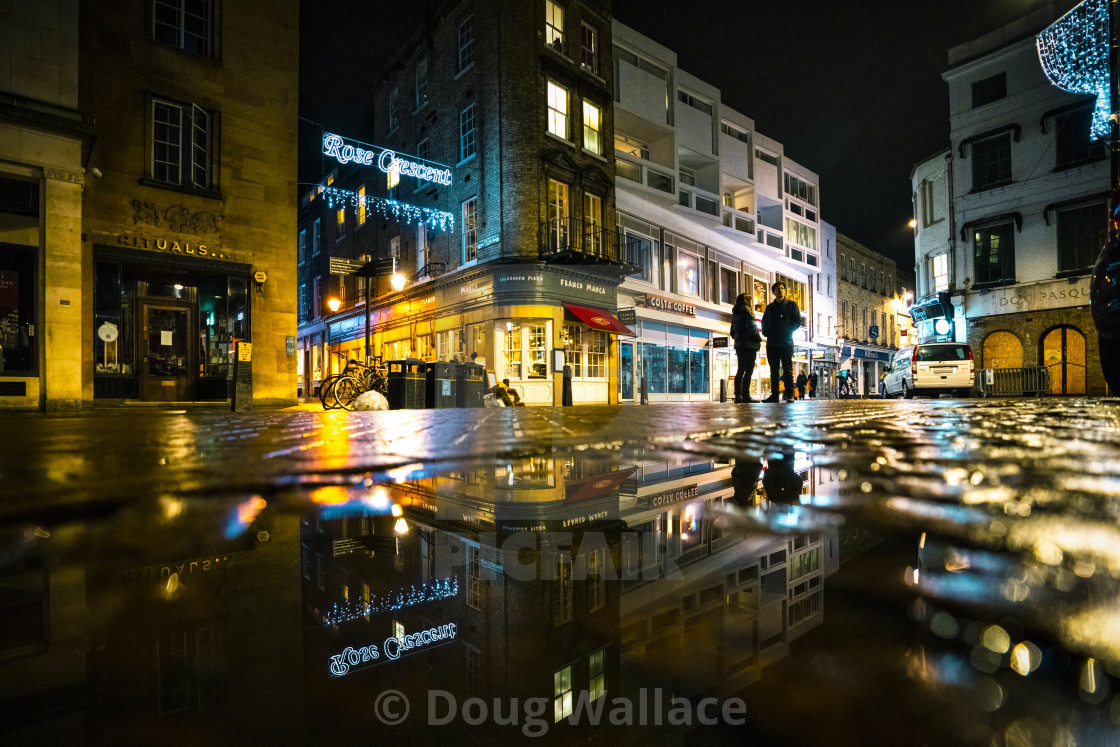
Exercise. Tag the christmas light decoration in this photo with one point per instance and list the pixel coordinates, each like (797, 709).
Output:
(1074, 55)
(428, 592)
(388, 161)
(437, 219)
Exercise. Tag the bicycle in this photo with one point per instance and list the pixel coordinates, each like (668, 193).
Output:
(355, 381)
(328, 387)
(845, 388)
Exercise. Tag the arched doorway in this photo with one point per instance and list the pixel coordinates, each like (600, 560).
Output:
(1063, 352)
(1002, 350)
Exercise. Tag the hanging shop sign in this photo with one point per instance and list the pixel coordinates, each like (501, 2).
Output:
(669, 305)
(388, 161)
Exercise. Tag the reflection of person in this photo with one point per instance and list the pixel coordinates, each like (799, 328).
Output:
(747, 340)
(780, 320)
(781, 483)
(744, 478)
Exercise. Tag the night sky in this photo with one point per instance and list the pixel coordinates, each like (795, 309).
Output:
(852, 90)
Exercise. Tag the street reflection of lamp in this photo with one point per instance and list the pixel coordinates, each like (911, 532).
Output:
(396, 510)
(333, 304)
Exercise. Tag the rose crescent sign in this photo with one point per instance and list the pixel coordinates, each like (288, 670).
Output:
(389, 162)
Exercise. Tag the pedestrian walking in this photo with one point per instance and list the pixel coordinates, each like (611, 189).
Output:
(747, 341)
(780, 320)
(802, 383)
(813, 379)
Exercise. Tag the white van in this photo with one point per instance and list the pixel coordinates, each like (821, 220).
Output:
(931, 369)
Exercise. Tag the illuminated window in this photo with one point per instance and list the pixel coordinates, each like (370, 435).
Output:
(512, 351)
(186, 24)
(470, 230)
(562, 693)
(592, 124)
(688, 273)
(562, 592)
(361, 204)
(181, 144)
(424, 349)
(392, 177)
(466, 133)
(597, 675)
(589, 48)
(538, 352)
(447, 344)
(573, 349)
(466, 43)
(596, 342)
(554, 25)
(557, 110)
(340, 223)
(398, 630)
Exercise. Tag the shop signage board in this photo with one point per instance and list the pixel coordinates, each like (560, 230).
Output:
(669, 496)
(628, 316)
(669, 305)
(720, 342)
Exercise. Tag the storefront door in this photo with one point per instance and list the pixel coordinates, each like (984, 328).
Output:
(625, 371)
(165, 353)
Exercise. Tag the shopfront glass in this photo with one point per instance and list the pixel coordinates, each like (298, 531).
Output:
(18, 338)
(676, 360)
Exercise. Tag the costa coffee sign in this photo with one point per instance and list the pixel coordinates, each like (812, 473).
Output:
(669, 305)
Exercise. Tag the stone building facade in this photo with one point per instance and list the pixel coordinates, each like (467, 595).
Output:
(872, 297)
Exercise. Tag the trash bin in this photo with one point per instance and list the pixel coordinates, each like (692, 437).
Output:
(469, 387)
(407, 384)
(441, 384)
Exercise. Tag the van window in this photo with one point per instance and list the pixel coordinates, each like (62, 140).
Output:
(943, 352)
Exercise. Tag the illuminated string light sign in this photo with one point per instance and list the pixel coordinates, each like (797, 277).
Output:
(1074, 55)
(351, 658)
(393, 601)
(388, 161)
(437, 219)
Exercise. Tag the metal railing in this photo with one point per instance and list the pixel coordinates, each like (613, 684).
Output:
(572, 240)
(1013, 382)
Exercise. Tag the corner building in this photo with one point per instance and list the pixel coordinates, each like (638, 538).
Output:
(514, 258)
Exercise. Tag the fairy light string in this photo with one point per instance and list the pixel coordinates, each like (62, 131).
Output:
(1074, 55)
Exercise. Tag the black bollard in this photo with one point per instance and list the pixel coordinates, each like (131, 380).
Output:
(566, 392)
(723, 390)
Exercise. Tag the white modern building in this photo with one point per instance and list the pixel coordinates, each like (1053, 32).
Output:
(1015, 230)
(719, 210)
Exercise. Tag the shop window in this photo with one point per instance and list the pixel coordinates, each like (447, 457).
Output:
(18, 334)
(181, 142)
(362, 203)
(538, 352)
(447, 344)
(573, 349)
(512, 351)
(186, 24)
(424, 349)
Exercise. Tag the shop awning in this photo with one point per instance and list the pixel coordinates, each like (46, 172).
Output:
(599, 319)
(600, 486)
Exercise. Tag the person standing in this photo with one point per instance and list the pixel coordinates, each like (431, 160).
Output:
(747, 340)
(780, 320)
(813, 379)
(802, 382)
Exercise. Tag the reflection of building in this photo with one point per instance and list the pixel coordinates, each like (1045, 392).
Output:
(872, 290)
(172, 631)
(714, 209)
(512, 253)
(1022, 195)
(156, 190)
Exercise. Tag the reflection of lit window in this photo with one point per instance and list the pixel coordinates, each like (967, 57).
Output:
(597, 683)
(690, 526)
(596, 593)
(472, 577)
(562, 693)
(562, 592)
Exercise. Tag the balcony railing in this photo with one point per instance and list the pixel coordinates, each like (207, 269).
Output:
(572, 241)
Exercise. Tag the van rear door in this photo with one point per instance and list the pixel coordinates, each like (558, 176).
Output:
(943, 365)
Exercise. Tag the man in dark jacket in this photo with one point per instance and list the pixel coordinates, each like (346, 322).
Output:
(747, 340)
(780, 320)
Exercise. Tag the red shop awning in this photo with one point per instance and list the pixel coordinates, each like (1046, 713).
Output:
(599, 319)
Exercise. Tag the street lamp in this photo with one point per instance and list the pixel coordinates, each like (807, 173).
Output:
(333, 304)
(397, 281)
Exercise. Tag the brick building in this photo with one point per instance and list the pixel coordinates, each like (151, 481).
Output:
(872, 301)
(511, 253)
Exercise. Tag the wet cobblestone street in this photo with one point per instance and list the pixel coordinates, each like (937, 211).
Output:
(854, 572)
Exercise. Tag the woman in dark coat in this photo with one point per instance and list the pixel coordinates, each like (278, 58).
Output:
(747, 340)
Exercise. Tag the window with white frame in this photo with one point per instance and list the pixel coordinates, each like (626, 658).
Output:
(466, 43)
(316, 297)
(573, 348)
(537, 362)
(557, 110)
(186, 24)
(801, 234)
(301, 253)
(181, 144)
(316, 234)
(801, 189)
(512, 351)
(470, 229)
(473, 584)
(421, 84)
(592, 128)
(558, 215)
(425, 351)
(589, 48)
(466, 133)
(562, 693)
(421, 246)
(688, 273)
(447, 344)
(554, 25)
(593, 223)
(597, 675)
(304, 303)
(394, 110)
(940, 273)
(525, 350)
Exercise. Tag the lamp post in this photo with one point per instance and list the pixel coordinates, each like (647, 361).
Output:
(371, 271)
